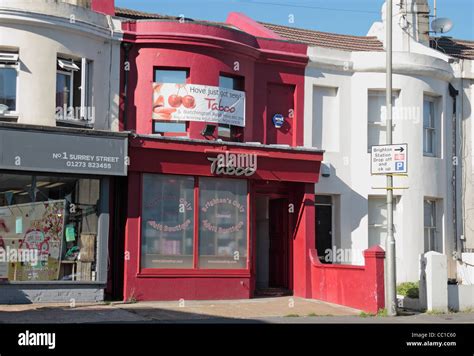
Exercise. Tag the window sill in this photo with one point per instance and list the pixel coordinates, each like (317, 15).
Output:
(183, 273)
(53, 283)
(9, 117)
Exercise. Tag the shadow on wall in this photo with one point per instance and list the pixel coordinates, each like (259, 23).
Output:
(13, 295)
(358, 209)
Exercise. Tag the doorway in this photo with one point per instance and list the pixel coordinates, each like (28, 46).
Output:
(324, 235)
(273, 256)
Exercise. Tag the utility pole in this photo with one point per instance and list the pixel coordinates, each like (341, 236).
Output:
(391, 280)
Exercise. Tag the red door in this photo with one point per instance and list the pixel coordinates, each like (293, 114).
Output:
(278, 258)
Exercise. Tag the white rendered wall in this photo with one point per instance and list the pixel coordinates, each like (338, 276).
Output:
(350, 177)
(41, 30)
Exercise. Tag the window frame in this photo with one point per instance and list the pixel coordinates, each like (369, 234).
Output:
(195, 271)
(433, 129)
(103, 230)
(71, 86)
(432, 229)
(381, 124)
(185, 131)
(235, 132)
(12, 114)
(67, 66)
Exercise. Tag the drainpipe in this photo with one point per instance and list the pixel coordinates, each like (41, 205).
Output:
(126, 46)
(453, 93)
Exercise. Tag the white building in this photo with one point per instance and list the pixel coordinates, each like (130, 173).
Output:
(59, 98)
(344, 115)
(55, 54)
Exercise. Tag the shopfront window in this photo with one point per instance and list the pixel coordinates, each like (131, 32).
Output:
(222, 223)
(167, 221)
(168, 210)
(48, 228)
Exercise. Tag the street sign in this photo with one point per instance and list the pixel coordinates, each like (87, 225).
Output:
(388, 159)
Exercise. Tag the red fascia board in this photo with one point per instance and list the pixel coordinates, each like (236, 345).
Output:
(194, 147)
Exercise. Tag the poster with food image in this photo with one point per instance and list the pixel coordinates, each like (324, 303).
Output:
(34, 231)
(190, 102)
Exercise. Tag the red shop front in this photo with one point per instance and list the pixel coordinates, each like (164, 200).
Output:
(214, 220)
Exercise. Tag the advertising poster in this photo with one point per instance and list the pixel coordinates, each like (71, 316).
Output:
(189, 102)
(32, 236)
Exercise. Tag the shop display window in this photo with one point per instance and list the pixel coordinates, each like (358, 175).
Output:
(222, 223)
(48, 228)
(168, 220)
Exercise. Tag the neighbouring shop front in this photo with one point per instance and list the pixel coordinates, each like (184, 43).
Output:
(209, 220)
(55, 212)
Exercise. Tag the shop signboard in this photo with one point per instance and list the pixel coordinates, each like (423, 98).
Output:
(234, 164)
(204, 103)
(63, 153)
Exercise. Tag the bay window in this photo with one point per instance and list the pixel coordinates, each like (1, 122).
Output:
(170, 213)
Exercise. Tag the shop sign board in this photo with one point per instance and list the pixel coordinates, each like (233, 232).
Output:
(204, 103)
(234, 164)
(63, 153)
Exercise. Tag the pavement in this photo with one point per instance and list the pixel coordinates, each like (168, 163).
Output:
(262, 310)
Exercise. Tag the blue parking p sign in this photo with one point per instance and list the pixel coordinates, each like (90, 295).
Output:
(400, 166)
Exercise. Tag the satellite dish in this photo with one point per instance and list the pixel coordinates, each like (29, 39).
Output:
(441, 25)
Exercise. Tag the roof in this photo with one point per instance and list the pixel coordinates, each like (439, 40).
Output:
(462, 49)
(327, 39)
(141, 15)
(457, 48)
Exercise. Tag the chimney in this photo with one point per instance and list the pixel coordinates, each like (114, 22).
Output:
(411, 22)
(418, 15)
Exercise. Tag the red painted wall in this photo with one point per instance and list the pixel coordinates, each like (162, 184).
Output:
(360, 287)
(276, 168)
(208, 51)
(274, 83)
(106, 7)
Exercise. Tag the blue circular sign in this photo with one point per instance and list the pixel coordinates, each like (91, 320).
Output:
(278, 120)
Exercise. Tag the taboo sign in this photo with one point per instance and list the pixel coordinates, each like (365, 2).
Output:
(204, 103)
(234, 164)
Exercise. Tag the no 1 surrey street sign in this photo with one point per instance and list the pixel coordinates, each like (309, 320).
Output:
(387, 159)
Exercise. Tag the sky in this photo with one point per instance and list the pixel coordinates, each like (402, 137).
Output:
(353, 17)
